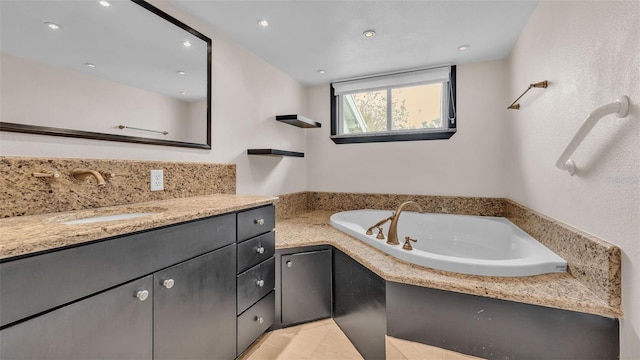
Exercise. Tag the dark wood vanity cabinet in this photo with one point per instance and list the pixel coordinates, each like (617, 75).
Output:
(306, 290)
(114, 324)
(194, 308)
(168, 293)
(255, 275)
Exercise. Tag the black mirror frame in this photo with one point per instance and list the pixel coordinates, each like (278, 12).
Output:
(53, 131)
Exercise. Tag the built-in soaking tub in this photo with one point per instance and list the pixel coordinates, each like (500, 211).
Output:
(476, 245)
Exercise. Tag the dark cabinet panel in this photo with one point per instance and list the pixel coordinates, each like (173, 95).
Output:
(194, 308)
(255, 283)
(255, 222)
(359, 305)
(256, 250)
(111, 325)
(63, 274)
(256, 320)
(306, 286)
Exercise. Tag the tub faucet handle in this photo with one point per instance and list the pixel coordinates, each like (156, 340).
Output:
(380, 234)
(407, 243)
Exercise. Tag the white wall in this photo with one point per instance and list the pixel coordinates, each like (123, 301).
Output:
(73, 100)
(247, 94)
(590, 53)
(469, 164)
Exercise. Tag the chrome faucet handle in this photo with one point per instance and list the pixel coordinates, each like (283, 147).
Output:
(407, 243)
(380, 234)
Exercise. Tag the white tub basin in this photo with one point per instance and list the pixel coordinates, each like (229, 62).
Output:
(476, 245)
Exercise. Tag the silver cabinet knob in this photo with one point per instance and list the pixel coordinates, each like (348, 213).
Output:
(258, 221)
(142, 295)
(289, 263)
(260, 283)
(260, 250)
(260, 320)
(168, 283)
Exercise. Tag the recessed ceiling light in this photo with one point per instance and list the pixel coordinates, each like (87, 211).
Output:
(369, 33)
(186, 43)
(90, 65)
(463, 47)
(183, 93)
(180, 72)
(263, 23)
(322, 71)
(53, 26)
(104, 3)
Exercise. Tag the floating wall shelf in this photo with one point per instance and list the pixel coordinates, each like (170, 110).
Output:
(274, 152)
(299, 121)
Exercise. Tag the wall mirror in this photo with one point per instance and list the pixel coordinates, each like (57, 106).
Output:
(110, 70)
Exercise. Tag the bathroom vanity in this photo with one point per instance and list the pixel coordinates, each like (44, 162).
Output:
(198, 289)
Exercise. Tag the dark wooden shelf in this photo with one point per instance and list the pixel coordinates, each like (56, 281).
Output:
(274, 152)
(298, 120)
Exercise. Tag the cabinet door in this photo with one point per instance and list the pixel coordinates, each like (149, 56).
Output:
(195, 308)
(112, 325)
(306, 286)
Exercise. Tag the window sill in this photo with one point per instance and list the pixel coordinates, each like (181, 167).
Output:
(389, 137)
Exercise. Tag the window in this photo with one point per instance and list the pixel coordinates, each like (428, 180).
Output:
(414, 105)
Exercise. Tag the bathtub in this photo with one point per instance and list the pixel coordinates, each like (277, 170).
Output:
(475, 245)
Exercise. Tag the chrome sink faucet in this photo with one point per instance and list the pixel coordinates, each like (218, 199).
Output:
(392, 237)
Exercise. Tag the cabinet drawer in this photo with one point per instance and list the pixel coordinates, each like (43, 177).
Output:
(63, 275)
(255, 283)
(255, 222)
(249, 325)
(256, 250)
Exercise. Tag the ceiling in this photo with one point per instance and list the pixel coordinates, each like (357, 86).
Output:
(306, 36)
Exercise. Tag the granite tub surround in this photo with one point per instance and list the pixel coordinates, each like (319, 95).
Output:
(290, 205)
(434, 204)
(594, 262)
(23, 194)
(22, 235)
(558, 290)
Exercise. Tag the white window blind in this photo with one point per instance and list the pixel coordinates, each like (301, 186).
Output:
(411, 78)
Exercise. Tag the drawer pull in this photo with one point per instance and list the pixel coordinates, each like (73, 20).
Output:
(289, 263)
(260, 320)
(168, 283)
(258, 221)
(260, 283)
(260, 250)
(142, 295)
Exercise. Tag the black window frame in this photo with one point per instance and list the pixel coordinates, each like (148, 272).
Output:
(440, 134)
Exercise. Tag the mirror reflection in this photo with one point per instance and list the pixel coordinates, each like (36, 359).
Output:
(122, 69)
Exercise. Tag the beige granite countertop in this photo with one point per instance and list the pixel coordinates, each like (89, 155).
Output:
(22, 235)
(559, 290)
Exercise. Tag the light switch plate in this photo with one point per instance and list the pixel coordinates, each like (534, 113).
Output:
(157, 180)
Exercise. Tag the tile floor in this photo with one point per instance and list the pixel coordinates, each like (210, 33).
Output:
(323, 340)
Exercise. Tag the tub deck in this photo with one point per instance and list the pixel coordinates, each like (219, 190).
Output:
(558, 290)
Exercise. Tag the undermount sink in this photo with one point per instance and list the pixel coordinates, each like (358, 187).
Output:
(114, 217)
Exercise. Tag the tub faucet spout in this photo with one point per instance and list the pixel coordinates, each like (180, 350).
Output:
(392, 238)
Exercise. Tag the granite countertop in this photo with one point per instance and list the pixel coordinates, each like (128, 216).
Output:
(558, 290)
(23, 235)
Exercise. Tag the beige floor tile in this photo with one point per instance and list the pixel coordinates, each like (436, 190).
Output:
(392, 352)
(262, 352)
(323, 340)
(306, 341)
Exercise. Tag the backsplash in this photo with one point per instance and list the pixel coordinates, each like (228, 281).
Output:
(594, 262)
(23, 194)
